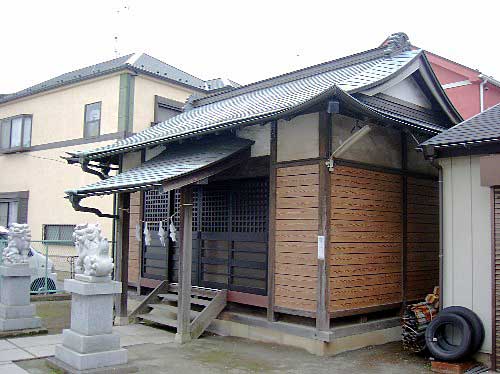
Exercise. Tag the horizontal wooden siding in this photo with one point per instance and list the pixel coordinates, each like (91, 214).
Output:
(366, 239)
(423, 237)
(296, 237)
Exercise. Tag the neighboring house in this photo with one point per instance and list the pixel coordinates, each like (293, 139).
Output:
(469, 157)
(94, 105)
(469, 90)
(307, 195)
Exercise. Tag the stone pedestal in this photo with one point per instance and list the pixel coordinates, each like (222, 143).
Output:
(16, 312)
(91, 343)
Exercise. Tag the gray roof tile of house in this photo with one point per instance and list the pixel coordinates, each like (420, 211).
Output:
(483, 127)
(176, 161)
(141, 63)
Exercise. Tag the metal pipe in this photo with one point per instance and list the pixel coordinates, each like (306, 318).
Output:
(441, 232)
(481, 93)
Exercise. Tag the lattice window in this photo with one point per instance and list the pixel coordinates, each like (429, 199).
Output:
(250, 206)
(156, 208)
(215, 208)
(177, 202)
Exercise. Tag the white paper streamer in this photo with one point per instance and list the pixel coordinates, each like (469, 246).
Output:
(162, 234)
(147, 234)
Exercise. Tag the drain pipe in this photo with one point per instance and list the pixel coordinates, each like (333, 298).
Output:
(441, 231)
(481, 92)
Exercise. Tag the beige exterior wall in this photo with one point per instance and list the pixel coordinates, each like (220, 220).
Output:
(144, 98)
(59, 114)
(467, 240)
(46, 178)
(298, 138)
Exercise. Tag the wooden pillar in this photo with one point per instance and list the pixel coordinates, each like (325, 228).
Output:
(121, 260)
(272, 221)
(185, 263)
(323, 289)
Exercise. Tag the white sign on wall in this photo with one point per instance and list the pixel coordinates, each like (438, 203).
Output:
(321, 247)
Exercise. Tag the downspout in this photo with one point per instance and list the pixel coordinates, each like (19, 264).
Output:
(430, 155)
(481, 93)
(441, 231)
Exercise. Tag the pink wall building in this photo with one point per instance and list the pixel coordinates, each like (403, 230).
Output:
(470, 91)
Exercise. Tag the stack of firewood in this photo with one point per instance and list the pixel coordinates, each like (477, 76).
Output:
(416, 318)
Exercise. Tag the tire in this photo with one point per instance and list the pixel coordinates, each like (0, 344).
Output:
(475, 323)
(436, 340)
(39, 283)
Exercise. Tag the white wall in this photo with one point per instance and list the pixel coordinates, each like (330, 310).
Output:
(409, 90)
(467, 240)
(298, 138)
(261, 135)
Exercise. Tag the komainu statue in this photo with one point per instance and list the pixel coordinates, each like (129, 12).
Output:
(18, 246)
(93, 251)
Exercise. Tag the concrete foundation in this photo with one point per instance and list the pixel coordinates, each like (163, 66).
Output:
(379, 334)
(16, 312)
(90, 343)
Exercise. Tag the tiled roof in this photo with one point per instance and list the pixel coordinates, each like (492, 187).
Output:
(176, 161)
(483, 127)
(251, 103)
(137, 62)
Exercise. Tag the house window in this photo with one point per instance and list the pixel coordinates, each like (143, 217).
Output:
(15, 132)
(92, 126)
(58, 232)
(8, 213)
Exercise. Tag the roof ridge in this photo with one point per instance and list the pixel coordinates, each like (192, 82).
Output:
(171, 66)
(294, 75)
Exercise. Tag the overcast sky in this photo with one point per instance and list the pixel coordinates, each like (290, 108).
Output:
(242, 40)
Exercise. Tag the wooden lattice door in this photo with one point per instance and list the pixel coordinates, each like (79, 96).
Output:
(230, 236)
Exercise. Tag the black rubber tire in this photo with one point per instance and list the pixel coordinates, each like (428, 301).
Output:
(475, 323)
(436, 342)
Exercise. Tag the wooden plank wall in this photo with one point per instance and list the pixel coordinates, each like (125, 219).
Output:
(296, 237)
(366, 239)
(423, 237)
(134, 268)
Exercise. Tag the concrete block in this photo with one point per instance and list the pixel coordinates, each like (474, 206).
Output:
(20, 324)
(86, 288)
(90, 344)
(13, 311)
(350, 343)
(15, 290)
(96, 360)
(239, 330)
(265, 335)
(92, 314)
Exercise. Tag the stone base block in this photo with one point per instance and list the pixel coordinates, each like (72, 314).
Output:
(86, 361)
(16, 270)
(15, 290)
(90, 344)
(13, 311)
(58, 365)
(20, 323)
(92, 288)
(92, 278)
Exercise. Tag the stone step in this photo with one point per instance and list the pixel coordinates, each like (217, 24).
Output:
(175, 297)
(159, 319)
